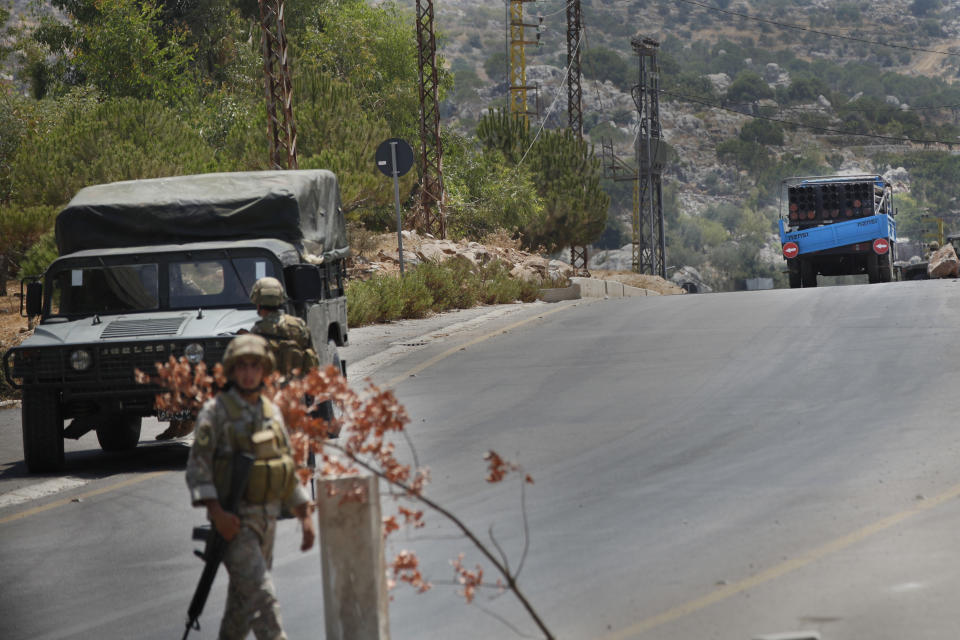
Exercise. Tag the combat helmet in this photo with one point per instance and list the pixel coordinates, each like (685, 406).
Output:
(248, 344)
(934, 246)
(268, 292)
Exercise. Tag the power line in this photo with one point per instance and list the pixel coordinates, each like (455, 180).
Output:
(807, 126)
(556, 96)
(822, 33)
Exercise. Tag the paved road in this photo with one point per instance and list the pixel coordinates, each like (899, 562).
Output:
(718, 466)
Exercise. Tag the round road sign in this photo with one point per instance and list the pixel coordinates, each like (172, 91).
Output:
(790, 250)
(881, 246)
(384, 157)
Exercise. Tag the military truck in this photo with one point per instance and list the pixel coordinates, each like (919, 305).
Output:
(149, 269)
(837, 225)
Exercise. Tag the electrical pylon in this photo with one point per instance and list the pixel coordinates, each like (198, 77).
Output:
(429, 215)
(648, 237)
(578, 255)
(278, 85)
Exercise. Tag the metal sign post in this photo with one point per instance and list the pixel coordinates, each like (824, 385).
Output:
(394, 158)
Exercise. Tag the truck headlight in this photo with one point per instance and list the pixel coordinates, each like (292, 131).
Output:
(194, 352)
(80, 360)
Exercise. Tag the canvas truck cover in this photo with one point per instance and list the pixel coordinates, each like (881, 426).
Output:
(300, 207)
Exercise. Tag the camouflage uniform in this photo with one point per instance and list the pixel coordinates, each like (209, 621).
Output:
(251, 598)
(289, 340)
(288, 336)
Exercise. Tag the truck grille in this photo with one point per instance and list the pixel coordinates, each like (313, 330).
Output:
(113, 364)
(140, 328)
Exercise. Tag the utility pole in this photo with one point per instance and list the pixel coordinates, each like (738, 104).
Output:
(578, 255)
(278, 85)
(518, 59)
(429, 216)
(648, 234)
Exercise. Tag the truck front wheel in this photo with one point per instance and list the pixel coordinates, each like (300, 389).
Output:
(42, 431)
(121, 433)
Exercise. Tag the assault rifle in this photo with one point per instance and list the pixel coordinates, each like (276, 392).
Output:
(216, 546)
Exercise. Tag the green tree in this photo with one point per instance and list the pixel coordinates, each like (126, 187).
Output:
(374, 50)
(20, 229)
(567, 176)
(120, 46)
(748, 87)
(119, 139)
(763, 132)
(486, 192)
(501, 130)
(568, 179)
(496, 66)
(604, 64)
(921, 8)
(333, 132)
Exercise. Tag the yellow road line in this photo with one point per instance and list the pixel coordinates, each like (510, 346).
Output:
(449, 352)
(89, 494)
(781, 569)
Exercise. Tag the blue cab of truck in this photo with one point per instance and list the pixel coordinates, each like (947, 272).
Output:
(837, 225)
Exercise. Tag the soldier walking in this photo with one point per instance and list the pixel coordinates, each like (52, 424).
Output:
(287, 335)
(239, 419)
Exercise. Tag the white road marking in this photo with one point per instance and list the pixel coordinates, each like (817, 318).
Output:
(40, 490)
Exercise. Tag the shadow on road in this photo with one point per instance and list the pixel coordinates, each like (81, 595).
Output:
(148, 457)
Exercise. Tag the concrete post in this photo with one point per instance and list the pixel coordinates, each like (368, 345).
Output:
(354, 570)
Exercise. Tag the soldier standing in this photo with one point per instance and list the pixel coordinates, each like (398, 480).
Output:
(241, 419)
(287, 335)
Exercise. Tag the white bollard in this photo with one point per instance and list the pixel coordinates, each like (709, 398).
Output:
(354, 569)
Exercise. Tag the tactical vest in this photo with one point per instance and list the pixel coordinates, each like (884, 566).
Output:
(289, 340)
(273, 474)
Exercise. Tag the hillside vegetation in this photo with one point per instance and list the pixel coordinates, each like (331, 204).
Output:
(752, 92)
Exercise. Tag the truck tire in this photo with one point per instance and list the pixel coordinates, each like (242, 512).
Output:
(120, 434)
(326, 409)
(808, 274)
(886, 268)
(793, 274)
(873, 268)
(42, 431)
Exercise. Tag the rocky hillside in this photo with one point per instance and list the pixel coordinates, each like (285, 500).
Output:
(926, 35)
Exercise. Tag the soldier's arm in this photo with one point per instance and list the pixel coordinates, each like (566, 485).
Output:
(199, 472)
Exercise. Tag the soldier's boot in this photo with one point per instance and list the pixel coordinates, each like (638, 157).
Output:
(177, 429)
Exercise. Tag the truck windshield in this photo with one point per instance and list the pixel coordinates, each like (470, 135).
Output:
(215, 282)
(169, 283)
(102, 289)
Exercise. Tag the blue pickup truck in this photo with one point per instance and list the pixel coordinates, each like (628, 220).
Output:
(837, 225)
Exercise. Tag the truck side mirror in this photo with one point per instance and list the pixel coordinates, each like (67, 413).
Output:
(304, 282)
(34, 299)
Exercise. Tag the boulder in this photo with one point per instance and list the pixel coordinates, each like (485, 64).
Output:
(943, 263)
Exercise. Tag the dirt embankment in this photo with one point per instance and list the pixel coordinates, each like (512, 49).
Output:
(13, 329)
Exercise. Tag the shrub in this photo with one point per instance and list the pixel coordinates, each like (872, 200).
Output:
(434, 286)
(529, 291)
(389, 297)
(498, 286)
(465, 283)
(443, 288)
(361, 303)
(416, 296)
